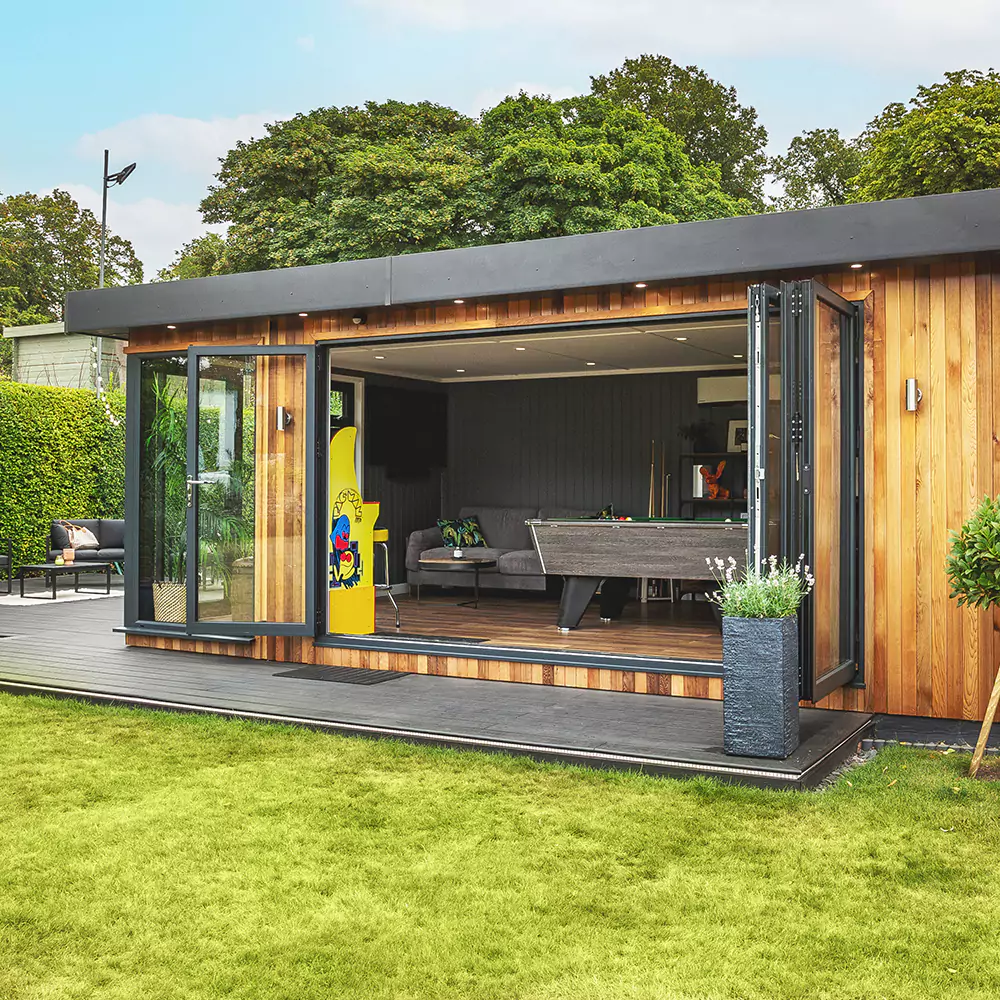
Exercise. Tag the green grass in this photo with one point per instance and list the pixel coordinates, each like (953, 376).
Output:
(146, 855)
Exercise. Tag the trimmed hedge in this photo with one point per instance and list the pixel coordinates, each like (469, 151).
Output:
(60, 456)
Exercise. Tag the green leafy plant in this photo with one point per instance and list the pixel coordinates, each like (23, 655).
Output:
(974, 561)
(774, 591)
(974, 574)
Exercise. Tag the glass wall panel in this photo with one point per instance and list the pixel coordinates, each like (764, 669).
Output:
(162, 556)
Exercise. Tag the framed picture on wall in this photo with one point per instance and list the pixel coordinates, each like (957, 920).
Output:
(738, 439)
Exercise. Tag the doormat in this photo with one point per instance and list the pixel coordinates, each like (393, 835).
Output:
(393, 634)
(343, 675)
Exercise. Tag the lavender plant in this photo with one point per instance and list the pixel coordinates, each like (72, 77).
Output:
(774, 591)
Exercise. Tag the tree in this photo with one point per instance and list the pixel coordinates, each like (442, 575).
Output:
(582, 165)
(199, 258)
(50, 246)
(339, 183)
(948, 139)
(818, 170)
(707, 115)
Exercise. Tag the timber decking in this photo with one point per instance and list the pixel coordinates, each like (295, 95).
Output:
(70, 650)
(687, 630)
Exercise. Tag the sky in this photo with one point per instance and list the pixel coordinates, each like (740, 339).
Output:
(174, 86)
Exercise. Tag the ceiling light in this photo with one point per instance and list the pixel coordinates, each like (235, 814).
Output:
(170, 326)
(857, 267)
(459, 302)
(460, 369)
(591, 362)
(680, 338)
(380, 357)
(640, 284)
(520, 348)
(303, 314)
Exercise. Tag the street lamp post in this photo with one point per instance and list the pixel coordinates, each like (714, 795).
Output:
(109, 181)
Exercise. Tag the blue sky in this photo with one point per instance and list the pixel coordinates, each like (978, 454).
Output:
(173, 86)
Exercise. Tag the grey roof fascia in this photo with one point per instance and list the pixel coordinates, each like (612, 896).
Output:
(910, 228)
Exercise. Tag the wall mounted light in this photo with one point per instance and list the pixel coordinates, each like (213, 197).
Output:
(303, 315)
(358, 318)
(857, 267)
(282, 419)
(913, 394)
(459, 302)
(170, 326)
(640, 284)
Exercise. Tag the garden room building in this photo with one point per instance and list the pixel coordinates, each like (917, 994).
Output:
(816, 382)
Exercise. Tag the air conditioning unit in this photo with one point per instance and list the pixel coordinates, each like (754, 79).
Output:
(730, 388)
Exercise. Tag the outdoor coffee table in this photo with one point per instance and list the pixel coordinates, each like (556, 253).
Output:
(466, 564)
(52, 570)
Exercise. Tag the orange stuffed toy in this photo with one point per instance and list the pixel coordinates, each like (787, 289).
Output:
(715, 491)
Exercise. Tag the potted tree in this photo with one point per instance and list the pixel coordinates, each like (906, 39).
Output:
(760, 655)
(974, 575)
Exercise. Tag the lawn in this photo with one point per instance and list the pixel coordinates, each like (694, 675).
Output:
(149, 855)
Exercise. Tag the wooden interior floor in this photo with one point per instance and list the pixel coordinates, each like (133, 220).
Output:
(686, 630)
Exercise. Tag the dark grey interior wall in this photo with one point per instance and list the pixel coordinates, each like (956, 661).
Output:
(574, 442)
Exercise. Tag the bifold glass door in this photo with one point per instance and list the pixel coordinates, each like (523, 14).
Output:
(805, 463)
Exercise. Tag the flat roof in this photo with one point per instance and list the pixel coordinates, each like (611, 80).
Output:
(907, 228)
(35, 330)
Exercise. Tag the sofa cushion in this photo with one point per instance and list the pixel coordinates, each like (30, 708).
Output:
(521, 562)
(89, 555)
(60, 536)
(446, 552)
(112, 533)
(503, 527)
(113, 554)
(462, 532)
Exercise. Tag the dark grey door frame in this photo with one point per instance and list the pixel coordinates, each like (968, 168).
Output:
(243, 629)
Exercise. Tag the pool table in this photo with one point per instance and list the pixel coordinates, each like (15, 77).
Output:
(586, 551)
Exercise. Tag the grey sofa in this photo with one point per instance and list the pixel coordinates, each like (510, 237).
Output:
(110, 536)
(508, 540)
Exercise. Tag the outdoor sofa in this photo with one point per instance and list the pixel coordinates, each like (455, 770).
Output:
(508, 541)
(110, 535)
(7, 561)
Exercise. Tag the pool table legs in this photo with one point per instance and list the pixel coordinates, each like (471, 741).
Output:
(578, 592)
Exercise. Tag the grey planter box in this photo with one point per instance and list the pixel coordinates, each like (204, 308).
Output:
(760, 662)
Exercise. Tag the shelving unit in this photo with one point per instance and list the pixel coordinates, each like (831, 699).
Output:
(731, 506)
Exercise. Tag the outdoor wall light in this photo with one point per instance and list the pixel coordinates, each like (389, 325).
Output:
(358, 318)
(380, 357)
(913, 395)
(170, 326)
(459, 302)
(520, 348)
(460, 369)
(591, 363)
(857, 267)
(303, 315)
(681, 339)
(283, 418)
(640, 284)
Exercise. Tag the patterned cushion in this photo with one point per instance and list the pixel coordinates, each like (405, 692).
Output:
(462, 532)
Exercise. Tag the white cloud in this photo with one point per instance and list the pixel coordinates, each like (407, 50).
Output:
(189, 145)
(494, 95)
(307, 43)
(919, 33)
(156, 228)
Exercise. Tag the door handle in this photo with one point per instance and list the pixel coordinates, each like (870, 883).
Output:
(191, 484)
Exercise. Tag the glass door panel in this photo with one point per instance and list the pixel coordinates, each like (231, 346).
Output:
(251, 416)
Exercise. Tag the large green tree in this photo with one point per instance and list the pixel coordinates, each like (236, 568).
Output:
(582, 165)
(946, 139)
(340, 183)
(50, 246)
(819, 169)
(199, 258)
(706, 114)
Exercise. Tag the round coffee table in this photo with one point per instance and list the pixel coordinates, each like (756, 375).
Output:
(466, 564)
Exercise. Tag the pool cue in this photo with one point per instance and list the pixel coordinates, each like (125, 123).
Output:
(652, 475)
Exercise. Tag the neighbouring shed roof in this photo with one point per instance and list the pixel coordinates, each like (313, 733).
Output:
(908, 228)
(34, 330)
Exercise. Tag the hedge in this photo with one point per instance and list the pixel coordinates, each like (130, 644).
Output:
(60, 456)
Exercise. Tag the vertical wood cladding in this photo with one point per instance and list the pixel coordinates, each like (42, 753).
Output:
(924, 471)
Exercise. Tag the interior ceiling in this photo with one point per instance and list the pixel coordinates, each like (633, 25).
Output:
(689, 346)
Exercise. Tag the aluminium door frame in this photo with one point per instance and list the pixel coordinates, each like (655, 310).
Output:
(243, 629)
